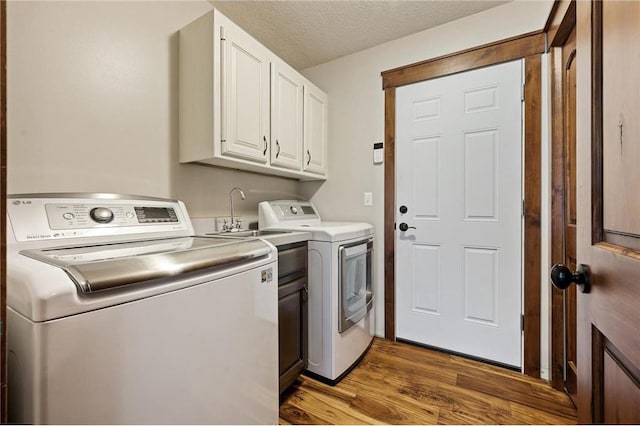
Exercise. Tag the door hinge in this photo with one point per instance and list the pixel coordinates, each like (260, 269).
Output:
(522, 209)
(394, 226)
(522, 322)
(522, 92)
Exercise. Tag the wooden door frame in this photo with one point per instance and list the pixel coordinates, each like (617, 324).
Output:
(562, 21)
(3, 211)
(529, 47)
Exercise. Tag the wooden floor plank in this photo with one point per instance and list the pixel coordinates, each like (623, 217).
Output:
(389, 408)
(384, 362)
(341, 393)
(400, 383)
(316, 405)
(522, 414)
(448, 396)
(522, 392)
(292, 414)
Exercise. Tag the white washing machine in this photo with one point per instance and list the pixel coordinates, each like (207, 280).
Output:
(118, 315)
(341, 316)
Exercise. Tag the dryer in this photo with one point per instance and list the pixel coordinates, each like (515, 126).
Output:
(340, 256)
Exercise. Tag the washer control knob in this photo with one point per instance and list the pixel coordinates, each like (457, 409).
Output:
(68, 215)
(101, 214)
(293, 209)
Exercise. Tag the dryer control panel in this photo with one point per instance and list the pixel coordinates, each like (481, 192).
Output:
(287, 211)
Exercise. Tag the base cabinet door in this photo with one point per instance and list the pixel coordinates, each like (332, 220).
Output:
(292, 331)
(292, 312)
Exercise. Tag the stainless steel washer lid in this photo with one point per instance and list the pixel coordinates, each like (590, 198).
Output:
(105, 266)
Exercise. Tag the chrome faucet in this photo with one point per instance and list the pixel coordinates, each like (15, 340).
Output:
(235, 225)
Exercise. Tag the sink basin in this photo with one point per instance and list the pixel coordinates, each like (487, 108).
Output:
(249, 233)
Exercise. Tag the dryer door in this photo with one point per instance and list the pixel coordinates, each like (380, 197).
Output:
(355, 292)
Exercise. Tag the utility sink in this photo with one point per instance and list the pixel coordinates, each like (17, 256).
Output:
(277, 238)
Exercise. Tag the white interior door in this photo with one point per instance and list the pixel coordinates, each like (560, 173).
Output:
(459, 175)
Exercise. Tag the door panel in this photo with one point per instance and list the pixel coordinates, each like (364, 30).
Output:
(620, 124)
(315, 130)
(245, 115)
(286, 117)
(608, 211)
(459, 152)
(426, 261)
(480, 164)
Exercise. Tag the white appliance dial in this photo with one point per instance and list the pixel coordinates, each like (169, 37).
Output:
(101, 214)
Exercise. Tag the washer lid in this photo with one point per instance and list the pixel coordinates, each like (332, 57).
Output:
(100, 267)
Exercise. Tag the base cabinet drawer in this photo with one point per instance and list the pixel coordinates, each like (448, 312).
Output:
(292, 312)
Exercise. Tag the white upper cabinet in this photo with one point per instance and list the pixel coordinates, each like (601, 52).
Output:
(315, 130)
(286, 116)
(242, 107)
(245, 95)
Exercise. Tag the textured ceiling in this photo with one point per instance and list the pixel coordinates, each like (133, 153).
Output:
(309, 32)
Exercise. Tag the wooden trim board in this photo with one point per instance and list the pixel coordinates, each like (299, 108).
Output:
(3, 210)
(478, 57)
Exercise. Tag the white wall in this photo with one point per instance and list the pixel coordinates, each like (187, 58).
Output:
(356, 113)
(92, 105)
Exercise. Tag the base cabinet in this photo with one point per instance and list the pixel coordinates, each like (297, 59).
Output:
(292, 312)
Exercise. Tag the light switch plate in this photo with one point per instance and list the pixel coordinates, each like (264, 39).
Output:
(368, 198)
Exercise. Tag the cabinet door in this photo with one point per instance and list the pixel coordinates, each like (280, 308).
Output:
(315, 130)
(292, 330)
(286, 116)
(245, 96)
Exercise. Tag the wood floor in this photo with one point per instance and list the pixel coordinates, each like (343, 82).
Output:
(398, 383)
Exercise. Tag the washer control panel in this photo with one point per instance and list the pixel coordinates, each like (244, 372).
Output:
(47, 217)
(69, 216)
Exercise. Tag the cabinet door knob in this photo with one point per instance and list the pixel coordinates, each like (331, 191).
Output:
(278, 145)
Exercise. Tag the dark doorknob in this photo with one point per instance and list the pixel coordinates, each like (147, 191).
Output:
(404, 227)
(562, 277)
(403, 209)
